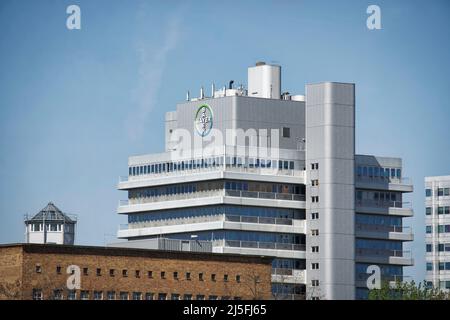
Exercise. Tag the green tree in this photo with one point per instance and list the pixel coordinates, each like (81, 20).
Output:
(407, 291)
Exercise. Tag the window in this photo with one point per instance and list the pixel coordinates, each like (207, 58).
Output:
(162, 296)
(315, 182)
(174, 296)
(225, 277)
(163, 274)
(98, 295)
(84, 295)
(315, 249)
(175, 275)
(188, 276)
(123, 295)
(428, 211)
(429, 248)
(440, 247)
(315, 199)
(314, 215)
(315, 232)
(111, 295)
(38, 268)
(213, 277)
(212, 297)
(149, 296)
(85, 271)
(447, 192)
(57, 294)
(99, 272)
(200, 297)
(429, 266)
(137, 273)
(314, 166)
(124, 273)
(286, 132)
(150, 274)
(440, 192)
(441, 266)
(238, 278)
(72, 295)
(137, 295)
(37, 294)
(187, 297)
(427, 192)
(200, 276)
(111, 272)
(429, 229)
(58, 269)
(440, 210)
(314, 266)
(314, 283)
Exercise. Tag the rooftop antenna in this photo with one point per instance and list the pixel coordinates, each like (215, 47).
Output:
(230, 85)
(188, 96)
(202, 93)
(213, 89)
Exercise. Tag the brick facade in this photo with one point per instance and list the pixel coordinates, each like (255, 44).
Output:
(43, 268)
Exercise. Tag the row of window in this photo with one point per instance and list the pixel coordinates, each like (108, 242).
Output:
(441, 266)
(442, 228)
(378, 196)
(438, 210)
(440, 192)
(378, 220)
(218, 210)
(213, 162)
(440, 247)
(244, 236)
(378, 244)
(217, 185)
(378, 172)
(150, 274)
(50, 227)
(58, 294)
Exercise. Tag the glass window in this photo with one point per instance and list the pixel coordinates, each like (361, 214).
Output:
(428, 211)
(376, 171)
(428, 248)
(446, 191)
(429, 229)
(399, 173)
(440, 247)
(359, 172)
(392, 173)
(429, 266)
(440, 210)
(370, 171)
(440, 192)
(427, 192)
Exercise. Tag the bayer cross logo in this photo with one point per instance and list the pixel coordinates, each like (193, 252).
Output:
(203, 120)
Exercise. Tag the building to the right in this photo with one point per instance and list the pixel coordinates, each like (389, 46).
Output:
(437, 238)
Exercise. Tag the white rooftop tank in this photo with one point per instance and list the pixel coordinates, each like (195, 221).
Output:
(264, 81)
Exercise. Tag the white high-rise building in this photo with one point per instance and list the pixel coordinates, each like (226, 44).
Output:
(50, 225)
(290, 186)
(437, 236)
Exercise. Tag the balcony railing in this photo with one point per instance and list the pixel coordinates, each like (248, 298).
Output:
(214, 193)
(382, 204)
(382, 228)
(260, 245)
(396, 180)
(371, 252)
(261, 220)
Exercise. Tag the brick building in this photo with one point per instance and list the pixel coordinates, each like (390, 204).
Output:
(35, 271)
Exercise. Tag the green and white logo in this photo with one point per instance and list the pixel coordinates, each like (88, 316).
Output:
(203, 120)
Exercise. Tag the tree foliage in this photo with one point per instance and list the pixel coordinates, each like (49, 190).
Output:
(407, 291)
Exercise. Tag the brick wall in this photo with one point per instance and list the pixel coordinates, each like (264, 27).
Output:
(40, 272)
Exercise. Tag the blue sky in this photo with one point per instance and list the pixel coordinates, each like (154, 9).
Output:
(74, 104)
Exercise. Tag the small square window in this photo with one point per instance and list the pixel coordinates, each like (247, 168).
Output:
(58, 269)
(85, 271)
(163, 275)
(111, 272)
(99, 272)
(238, 278)
(213, 277)
(188, 276)
(200, 276)
(137, 273)
(124, 273)
(150, 274)
(225, 277)
(286, 132)
(175, 275)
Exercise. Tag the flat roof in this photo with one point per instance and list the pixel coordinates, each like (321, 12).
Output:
(135, 252)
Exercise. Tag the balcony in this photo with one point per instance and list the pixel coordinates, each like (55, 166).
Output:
(382, 183)
(396, 208)
(295, 276)
(377, 231)
(274, 249)
(384, 256)
(220, 195)
(211, 222)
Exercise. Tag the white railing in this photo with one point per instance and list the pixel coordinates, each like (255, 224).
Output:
(259, 245)
(383, 204)
(371, 252)
(214, 193)
(382, 228)
(206, 218)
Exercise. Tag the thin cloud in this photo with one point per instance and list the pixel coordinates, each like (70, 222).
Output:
(152, 63)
